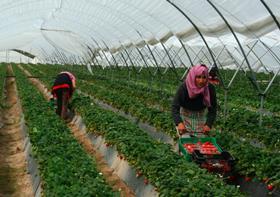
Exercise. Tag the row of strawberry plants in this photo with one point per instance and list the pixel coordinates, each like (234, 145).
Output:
(245, 161)
(254, 162)
(245, 124)
(165, 117)
(248, 129)
(65, 168)
(249, 119)
(167, 171)
(122, 95)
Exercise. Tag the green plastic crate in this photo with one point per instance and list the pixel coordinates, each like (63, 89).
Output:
(194, 140)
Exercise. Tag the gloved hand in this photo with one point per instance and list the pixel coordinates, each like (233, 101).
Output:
(206, 129)
(181, 128)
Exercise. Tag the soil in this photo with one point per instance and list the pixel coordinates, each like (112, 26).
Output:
(14, 178)
(110, 177)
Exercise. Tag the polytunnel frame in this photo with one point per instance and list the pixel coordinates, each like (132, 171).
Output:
(176, 55)
(137, 32)
(63, 56)
(56, 51)
(153, 63)
(162, 59)
(261, 94)
(84, 26)
(109, 63)
(55, 47)
(273, 54)
(146, 43)
(240, 67)
(253, 79)
(114, 59)
(137, 59)
(199, 32)
(149, 48)
(145, 62)
(135, 47)
(121, 33)
(93, 58)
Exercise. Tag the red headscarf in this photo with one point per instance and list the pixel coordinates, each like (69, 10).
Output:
(193, 90)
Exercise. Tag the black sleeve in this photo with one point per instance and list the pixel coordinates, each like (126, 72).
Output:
(176, 105)
(212, 110)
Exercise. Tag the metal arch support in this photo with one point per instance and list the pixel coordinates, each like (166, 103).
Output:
(154, 58)
(178, 57)
(83, 60)
(64, 56)
(88, 53)
(114, 59)
(237, 40)
(196, 28)
(128, 56)
(278, 60)
(60, 56)
(136, 60)
(237, 70)
(258, 58)
(57, 56)
(100, 57)
(169, 57)
(149, 48)
(197, 54)
(149, 67)
(187, 53)
(106, 58)
(93, 55)
(124, 60)
(271, 13)
(102, 52)
(205, 55)
(162, 57)
(143, 58)
(45, 54)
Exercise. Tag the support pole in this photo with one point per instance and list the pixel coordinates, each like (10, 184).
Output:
(225, 105)
(261, 110)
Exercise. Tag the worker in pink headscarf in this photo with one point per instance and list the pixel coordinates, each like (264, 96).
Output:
(192, 99)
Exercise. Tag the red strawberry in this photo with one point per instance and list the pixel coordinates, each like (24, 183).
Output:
(270, 187)
(247, 179)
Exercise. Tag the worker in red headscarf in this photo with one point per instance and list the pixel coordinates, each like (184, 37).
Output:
(194, 106)
(213, 78)
(62, 90)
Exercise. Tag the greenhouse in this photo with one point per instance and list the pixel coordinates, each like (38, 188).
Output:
(168, 98)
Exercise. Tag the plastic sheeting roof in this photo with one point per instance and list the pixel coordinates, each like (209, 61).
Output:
(71, 29)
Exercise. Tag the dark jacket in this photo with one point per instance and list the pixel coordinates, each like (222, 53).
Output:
(182, 99)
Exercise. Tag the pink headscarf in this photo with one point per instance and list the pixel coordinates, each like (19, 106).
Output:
(193, 90)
